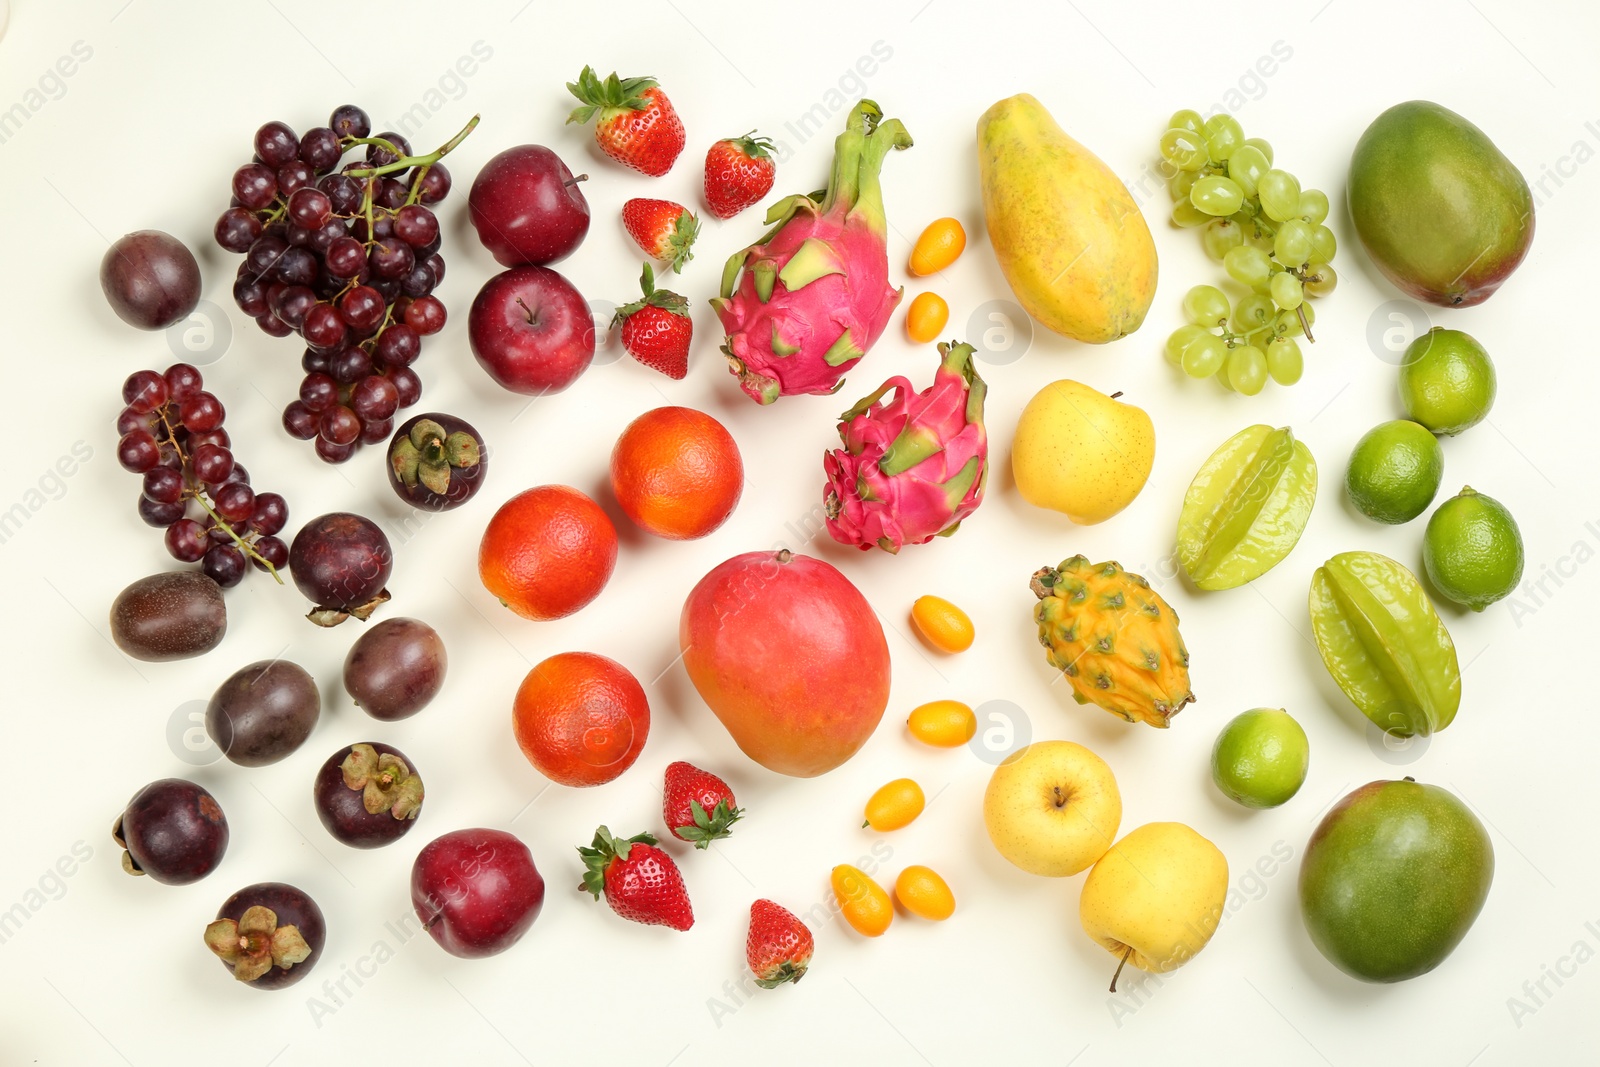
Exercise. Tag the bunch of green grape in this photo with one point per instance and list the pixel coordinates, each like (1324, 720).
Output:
(1267, 232)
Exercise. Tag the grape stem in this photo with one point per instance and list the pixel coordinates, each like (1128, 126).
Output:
(1300, 310)
(197, 493)
(407, 162)
(244, 546)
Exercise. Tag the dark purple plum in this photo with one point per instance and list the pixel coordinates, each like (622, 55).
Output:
(172, 615)
(368, 795)
(395, 669)
(268, 935)
(437, 461)
(263, 712)
(172, 830)
(341, 562)
(151, 279)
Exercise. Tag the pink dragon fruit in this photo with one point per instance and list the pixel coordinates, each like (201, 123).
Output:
(815, 293)
(913, 468)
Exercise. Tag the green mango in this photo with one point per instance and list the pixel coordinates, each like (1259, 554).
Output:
(1441, 211)
(1393, 878)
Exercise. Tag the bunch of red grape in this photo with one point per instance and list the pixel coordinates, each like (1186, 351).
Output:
(172, 435)
(347, 257)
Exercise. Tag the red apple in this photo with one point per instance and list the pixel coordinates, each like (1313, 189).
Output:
(527, 207)
(531, 330)
(790, 656)
(476, 891)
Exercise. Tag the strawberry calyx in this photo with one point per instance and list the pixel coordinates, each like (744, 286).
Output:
(685, 228)
(787, 971)
(664, 299)
(753, 145)
(599, 854)
(708, 826)
(609, 95)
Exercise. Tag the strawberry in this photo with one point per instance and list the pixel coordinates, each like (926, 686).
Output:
(739, 172)
(637, 125)
(662, 228)
(641, 883)
(778, 947)
(656, 330)
(697, 805)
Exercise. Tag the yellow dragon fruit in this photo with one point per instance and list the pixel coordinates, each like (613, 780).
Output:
(1114, 638)
(912, 468)
(815, 292)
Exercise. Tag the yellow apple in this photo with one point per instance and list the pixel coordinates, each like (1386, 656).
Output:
(1081, 452)
(1052, 808)
(1155, 898)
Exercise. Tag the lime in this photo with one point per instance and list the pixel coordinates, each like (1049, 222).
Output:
(1447, 381)
(1472, 550)
(1394, 471)
(1260, 758)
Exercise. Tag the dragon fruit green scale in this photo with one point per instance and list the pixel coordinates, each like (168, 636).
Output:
(808, 300)
(913, 467)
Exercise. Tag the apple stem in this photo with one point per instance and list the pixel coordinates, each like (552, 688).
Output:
(533, 319)
(1116, 394)
(1124, 962)
(576, 179)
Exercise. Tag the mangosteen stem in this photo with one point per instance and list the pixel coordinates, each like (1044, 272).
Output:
(1123, 963)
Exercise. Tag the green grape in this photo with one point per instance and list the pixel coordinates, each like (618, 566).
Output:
(1205, 356)
(1284, 362)
(1323, 245)
(1280, 194)
(1216, 195)
(1206, 305)
(1287, 323)
(1186, 214)
(1220, 237)
(1261, 145)
(1184, 149)
(1247, 370)
(1292, 245)
(1313, 206)
(1248, 265)
(1186, 119)
(1286, 291)
(1221, 378)
(1253, 314)
(1180, 184)
(1181, 339)
(1320, 279)
(1223, 135)
(1246, 166)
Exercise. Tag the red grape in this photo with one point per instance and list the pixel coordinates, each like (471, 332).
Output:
(187, 541)
(318, 392)
(235, 502)
(426, 315)
(339, 425)
(212, 464)
(137, 451)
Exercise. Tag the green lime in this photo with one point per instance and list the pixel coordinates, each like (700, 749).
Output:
(1472, 550)
(1260, 758)
(1394, 471)
(1447, 381)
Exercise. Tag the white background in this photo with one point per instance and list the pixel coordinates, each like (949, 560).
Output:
(109, 970)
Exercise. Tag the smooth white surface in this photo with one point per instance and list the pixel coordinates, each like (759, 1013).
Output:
(108, 970)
